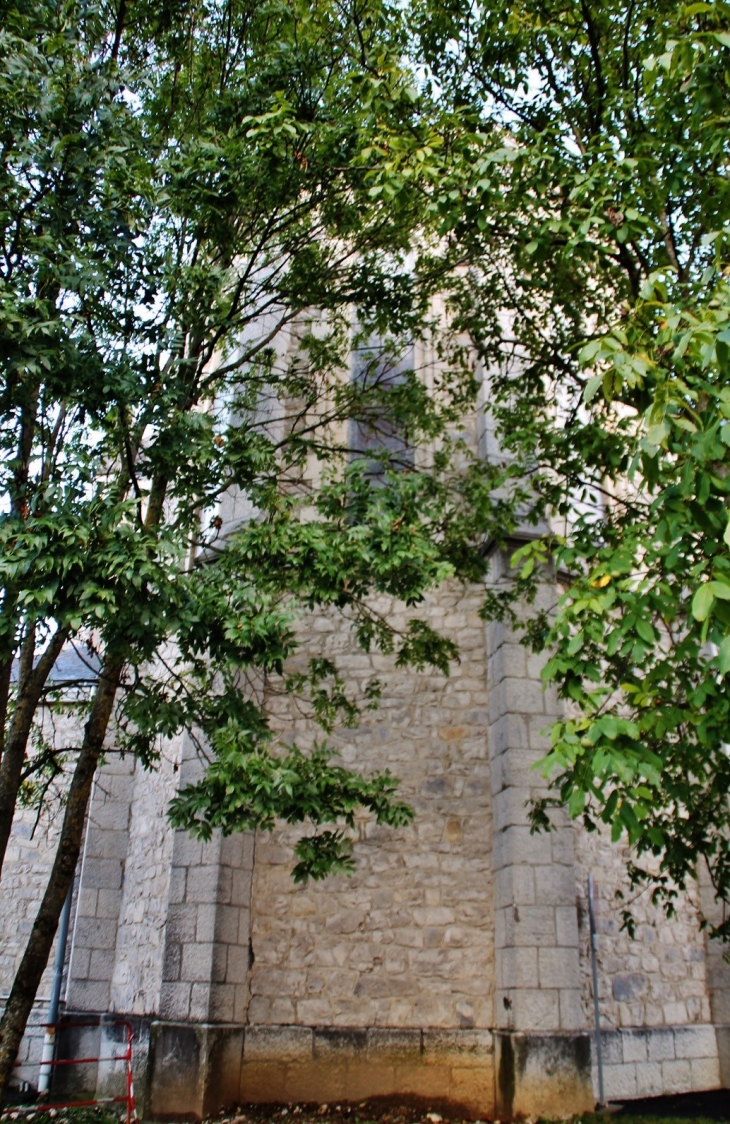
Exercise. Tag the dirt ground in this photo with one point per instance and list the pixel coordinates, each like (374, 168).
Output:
(700, 1108)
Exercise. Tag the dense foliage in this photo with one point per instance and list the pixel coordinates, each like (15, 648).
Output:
(199, 225)
(594, 207)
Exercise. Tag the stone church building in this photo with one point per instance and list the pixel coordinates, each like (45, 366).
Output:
(453, 965)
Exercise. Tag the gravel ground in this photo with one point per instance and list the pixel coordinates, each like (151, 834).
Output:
(700, 1108)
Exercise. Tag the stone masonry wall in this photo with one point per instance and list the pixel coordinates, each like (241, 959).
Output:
(407, 941)
(657, 978)
(137, 974)
(654, 1000)
(28, 857)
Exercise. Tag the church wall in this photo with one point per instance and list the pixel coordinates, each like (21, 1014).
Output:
(453, 965)
(407, 940)
(656, 1016)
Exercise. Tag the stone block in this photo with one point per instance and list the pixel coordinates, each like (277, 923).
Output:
(178, 884)
(558, 967)
(108, 904)
(649, 1079)
(660, 1044)
(89, 995)
(628, 986)
(571, 1009)
(172, 962)
(562, 843)
(545, 1075)
(472, 1089)
(196, 963)
(393, 1043)
(675, 1013)
(241, 888)
(339, 1044)
(200, 1001)
(77, 1082)
(509, 661)
(463, 1048)
(322, 1081)
(187, 851)
(611, 1045)
(202, 885)
(536, 1009)
(509, 739)
(182, 923)
(532, 925)
(225, 885)
(634, 1045)
(205, 922)
(103, 874)
(101, 966)
(278, 1044)
(517, 967)
(87, 901)
(619, 1082)
(520, 696)
(222, 1002)
(114, 844)
(224, 1061)
(705, 1074)
(509, 809)
(237, 971)
(219, 964)
(93, 932)
(176, 1072)
(566, 925)
(695, 1042)
(556, 886)
(175, 1000)
(227, 923)
(516, 846)
(80, 961)
(677, 1076)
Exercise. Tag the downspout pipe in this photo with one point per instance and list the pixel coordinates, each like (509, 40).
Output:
(594, 971)
(49, 1040)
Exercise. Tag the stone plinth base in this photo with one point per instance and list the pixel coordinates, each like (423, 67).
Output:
(187, 1071)
(543, 1075)
(195, 1071)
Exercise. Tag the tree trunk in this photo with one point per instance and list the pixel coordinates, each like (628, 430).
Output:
(30, 688)
(40, 942)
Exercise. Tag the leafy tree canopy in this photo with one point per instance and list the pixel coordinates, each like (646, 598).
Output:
(592, 198)
(204, 207)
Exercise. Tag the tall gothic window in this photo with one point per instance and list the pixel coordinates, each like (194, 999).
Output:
(376, 432)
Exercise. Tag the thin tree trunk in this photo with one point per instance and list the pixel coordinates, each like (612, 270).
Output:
(30, 688)
(40, 942)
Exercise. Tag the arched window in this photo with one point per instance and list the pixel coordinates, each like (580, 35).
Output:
(380, 369)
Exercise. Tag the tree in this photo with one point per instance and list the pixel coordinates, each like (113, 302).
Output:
(593, 202)
(179, 193)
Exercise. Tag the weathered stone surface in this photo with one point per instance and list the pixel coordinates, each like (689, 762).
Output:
(407, 940)
(453, 963)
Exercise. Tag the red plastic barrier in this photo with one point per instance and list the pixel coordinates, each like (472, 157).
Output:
(128, 1098)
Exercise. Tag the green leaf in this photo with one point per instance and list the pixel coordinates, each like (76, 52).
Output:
(723, 660)
(702, 602)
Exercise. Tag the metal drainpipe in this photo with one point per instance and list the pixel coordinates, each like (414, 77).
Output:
(49, 1041)
(594, 969)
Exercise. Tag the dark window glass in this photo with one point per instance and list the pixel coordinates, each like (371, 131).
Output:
(376, 432)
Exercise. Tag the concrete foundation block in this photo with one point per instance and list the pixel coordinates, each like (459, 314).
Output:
(278, 1044)
(545, 1075)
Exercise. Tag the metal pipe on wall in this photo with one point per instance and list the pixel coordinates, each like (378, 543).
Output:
(49, 1041)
